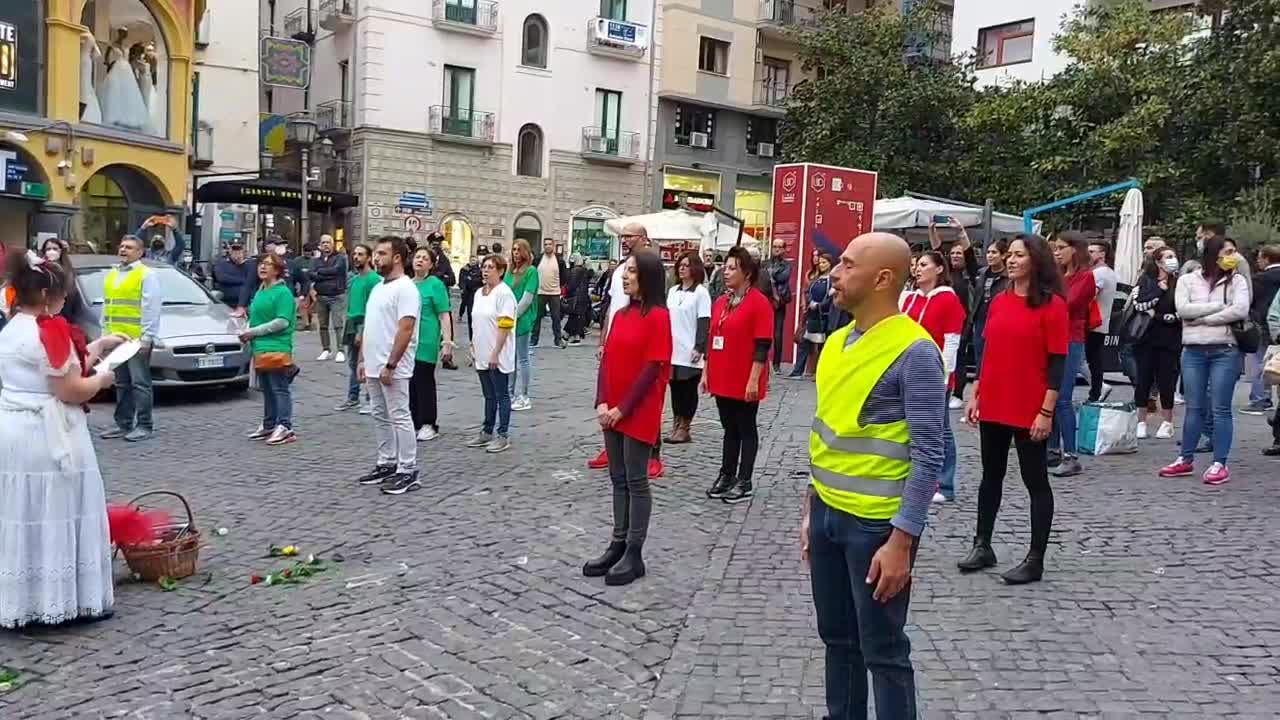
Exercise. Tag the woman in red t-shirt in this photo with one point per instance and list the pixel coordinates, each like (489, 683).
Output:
(936, 307)
(741, 334)
(1023, 359)
(1071, 250)
(630, 391)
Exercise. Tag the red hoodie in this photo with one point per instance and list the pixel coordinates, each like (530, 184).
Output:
(941, 314)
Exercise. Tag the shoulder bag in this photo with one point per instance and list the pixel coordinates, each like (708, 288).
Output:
(1248, 338)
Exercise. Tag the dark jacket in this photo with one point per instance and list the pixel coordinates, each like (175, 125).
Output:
(299, 269)
(442, 268)
(234, 280)
(578, 290)
(1165, 330)
(1265, 286)
(779, 272)
(329, 274)
(988, 285)
(470, 280)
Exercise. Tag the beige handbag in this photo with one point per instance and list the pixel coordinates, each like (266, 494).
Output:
(1271, 366)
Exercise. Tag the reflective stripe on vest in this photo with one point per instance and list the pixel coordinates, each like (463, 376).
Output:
(122, 302)
(855, 468)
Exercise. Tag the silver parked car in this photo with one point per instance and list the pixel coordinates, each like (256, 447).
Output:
(199, 343)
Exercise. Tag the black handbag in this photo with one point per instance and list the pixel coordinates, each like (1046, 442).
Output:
(1248, 338)
(1134, 325)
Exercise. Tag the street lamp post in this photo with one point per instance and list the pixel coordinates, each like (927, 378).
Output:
(303, 129)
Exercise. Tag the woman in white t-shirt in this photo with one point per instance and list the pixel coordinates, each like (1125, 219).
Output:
(493, 318)
(689, 305)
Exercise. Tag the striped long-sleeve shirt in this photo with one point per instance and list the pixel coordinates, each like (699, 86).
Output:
(915, 389)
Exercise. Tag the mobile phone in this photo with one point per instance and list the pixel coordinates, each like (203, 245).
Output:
(941, 219)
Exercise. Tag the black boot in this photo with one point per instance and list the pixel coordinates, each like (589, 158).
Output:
(980, 557)
(628, 569)
(740, 491)
(1031, 570)
(601, 565)
(720, 486)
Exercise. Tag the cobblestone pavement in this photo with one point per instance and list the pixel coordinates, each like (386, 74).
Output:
(465, 600)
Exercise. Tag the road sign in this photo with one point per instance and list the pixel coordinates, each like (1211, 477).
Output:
(413, 223)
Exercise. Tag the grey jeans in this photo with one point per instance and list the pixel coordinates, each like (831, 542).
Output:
(632, 498)
(393, 424)
(330, 307)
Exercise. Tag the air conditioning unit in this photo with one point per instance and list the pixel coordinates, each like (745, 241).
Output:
(598, 144)
(764, 149)
(699, 140)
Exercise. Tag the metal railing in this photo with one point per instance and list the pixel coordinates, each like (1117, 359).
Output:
(296, 22)
(788, 12)
(771, 93)
(462, 122)
(341, 175)
(481, 14)
(335, 12)
(619, 143)
(333, 115)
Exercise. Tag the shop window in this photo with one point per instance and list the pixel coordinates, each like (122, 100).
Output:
(614, 9)
(695, 126)
(528, 228)
(1008, 44)
(534, 48)
(529, 156)
(590, 239)
(124, 68)
(713, 56)
(762, 136)
(21, 67)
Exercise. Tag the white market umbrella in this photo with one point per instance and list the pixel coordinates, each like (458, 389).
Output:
(683, 225)
(1129, 238)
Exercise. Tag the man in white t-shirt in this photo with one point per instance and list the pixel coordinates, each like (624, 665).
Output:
(386, 366)
(552, 276)
(1095, 340)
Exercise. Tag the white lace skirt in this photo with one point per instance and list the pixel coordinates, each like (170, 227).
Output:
(55, 554)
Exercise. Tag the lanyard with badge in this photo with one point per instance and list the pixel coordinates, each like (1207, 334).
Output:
(717, 341)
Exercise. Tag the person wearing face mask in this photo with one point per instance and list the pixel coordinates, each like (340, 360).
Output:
(1209, 301)
(74, 309)
(1157, 354)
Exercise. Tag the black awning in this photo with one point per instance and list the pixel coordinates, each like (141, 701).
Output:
(273, 194)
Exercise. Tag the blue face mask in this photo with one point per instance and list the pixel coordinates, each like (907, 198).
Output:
(1170, 264)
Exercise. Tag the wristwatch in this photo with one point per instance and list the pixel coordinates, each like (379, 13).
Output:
(391, 366)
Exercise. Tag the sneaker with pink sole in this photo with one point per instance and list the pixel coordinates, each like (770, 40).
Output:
(1217, 474)
(1181, 467)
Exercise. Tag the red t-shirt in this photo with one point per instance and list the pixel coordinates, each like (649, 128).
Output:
(940, 313)
(732, 343)
(635, 340)
(1015, 359)
(1081, 292)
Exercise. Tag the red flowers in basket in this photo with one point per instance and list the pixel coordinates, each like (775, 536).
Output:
(132, 526)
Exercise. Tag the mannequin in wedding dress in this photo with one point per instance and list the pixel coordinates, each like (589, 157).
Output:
(145, 67)
(122, 103)
(90, 111)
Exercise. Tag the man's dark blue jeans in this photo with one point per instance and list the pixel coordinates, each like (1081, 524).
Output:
(861, 634)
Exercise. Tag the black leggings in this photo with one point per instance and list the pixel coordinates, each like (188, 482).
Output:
(422, 395)
(1033, 460)
(1094, 343)
(741, 437)
(1156, 366)
(962, 365)
(684, 397)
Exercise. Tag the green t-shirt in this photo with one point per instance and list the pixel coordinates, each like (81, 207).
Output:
(529, 284)
(358, 293)
(435, 300)
(269, 304)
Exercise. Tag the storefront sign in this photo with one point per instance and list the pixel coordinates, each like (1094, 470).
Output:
(8, 56)
(15, 179)
(818, 207)
(20, 66)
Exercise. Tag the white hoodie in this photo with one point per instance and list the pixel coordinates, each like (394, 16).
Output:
(950, 341)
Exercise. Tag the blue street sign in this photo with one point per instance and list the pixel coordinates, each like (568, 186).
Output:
(417, 200)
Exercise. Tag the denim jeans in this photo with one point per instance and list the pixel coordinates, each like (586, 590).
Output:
(353, 384)
(496, 386)
(860, 633)
(521, 377)
(331, 311)
(1209, 374)
(803, 350)
(1063, 435)
(547, 305)
(1258, 391)
(947, 482)
(277, 399)
(979, 343)
(133, 393)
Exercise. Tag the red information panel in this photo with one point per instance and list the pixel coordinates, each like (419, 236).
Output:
(817, 208)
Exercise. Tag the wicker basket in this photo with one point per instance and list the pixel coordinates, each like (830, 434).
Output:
(174, 555)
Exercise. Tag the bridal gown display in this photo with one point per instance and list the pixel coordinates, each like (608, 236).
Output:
(122, 103)
(91, 112)
(150, 97)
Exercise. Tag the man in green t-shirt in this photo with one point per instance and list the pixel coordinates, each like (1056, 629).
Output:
(361, 285)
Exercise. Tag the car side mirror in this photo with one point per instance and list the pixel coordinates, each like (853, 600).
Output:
(217, 295)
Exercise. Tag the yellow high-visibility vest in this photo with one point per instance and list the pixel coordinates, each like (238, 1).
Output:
(122, 302)
(860, 469)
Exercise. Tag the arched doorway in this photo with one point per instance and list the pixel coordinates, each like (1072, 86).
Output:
(528, 228)
(459, 239)
(113, 203)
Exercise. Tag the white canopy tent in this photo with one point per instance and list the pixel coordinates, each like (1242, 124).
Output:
(705, 228)
(902, 213)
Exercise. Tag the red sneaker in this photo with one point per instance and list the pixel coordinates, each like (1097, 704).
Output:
(1178, 468)
(655, 468)
(600, 461)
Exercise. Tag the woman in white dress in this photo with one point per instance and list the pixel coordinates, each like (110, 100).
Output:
(122, 103)
(55, 554)
(90, 111)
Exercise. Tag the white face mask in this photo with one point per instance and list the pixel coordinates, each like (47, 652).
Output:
(1170, 264)
(281, 250)
(53, 254)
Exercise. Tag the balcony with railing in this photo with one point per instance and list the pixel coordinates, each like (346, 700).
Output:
(476, 17)
(333, 116)
(771, 94)
(777, 16)
(462, 124)
(336, 14)
(297, 27)
(617, 38)
(340, 176)
(610, 145)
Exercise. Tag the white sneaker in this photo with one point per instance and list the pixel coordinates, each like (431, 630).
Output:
(341, 357)
(939, 497)
(955, 403)
(366, 409)
(281, 436)
(1177, 399)
(1166, 431)
(522, 403)
(323, 356)
(427, 433)
(1142, 431)
(262, 433)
